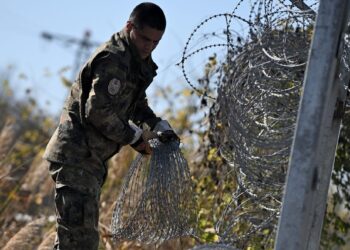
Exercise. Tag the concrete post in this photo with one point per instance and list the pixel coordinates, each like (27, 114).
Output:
(316, 135)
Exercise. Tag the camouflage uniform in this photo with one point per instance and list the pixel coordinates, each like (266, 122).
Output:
(94, 125)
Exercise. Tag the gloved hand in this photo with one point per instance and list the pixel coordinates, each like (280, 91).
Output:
(167, 136)
(148, 135)
(142, 145)
(165, 132)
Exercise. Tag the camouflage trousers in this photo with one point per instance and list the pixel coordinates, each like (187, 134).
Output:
(77, 207)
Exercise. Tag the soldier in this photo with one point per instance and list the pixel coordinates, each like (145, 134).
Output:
(106, 109)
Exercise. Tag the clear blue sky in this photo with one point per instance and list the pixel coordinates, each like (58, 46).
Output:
(21, 23)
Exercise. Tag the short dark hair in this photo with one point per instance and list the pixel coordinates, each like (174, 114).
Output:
(148, 14)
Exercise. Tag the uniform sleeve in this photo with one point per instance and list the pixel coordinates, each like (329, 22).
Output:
(101, 108)
(144, 114)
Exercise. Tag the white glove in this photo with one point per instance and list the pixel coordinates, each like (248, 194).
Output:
(138, 132)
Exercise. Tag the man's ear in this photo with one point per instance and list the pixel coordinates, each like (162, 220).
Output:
(128, 26)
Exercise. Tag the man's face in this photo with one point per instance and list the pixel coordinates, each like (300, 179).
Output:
(145, 39)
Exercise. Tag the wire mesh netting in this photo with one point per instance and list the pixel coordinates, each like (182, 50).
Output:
(156, 202)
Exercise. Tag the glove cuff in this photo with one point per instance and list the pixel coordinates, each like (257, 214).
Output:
(162, 126)
(138, 133)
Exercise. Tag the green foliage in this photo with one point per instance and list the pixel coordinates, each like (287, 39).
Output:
(336, 224)
(212, 197)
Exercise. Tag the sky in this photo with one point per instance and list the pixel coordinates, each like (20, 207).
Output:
(37, 62)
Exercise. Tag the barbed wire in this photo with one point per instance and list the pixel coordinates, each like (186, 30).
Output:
(261, 11)
(253, 117)
(156, 202)
(186, 55)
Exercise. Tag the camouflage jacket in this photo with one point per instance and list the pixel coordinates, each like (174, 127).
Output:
(109, 91)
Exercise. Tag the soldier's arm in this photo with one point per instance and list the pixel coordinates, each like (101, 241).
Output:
(102, 107)
(144, 114)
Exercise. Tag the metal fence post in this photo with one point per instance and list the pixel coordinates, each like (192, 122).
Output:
(317, 132)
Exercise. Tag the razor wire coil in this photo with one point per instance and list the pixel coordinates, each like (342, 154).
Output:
(253, 117)
(156, 200)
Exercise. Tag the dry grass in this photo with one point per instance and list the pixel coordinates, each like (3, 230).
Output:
(29, 237)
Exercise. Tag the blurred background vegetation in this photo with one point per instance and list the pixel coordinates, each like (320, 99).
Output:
(26, 205)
